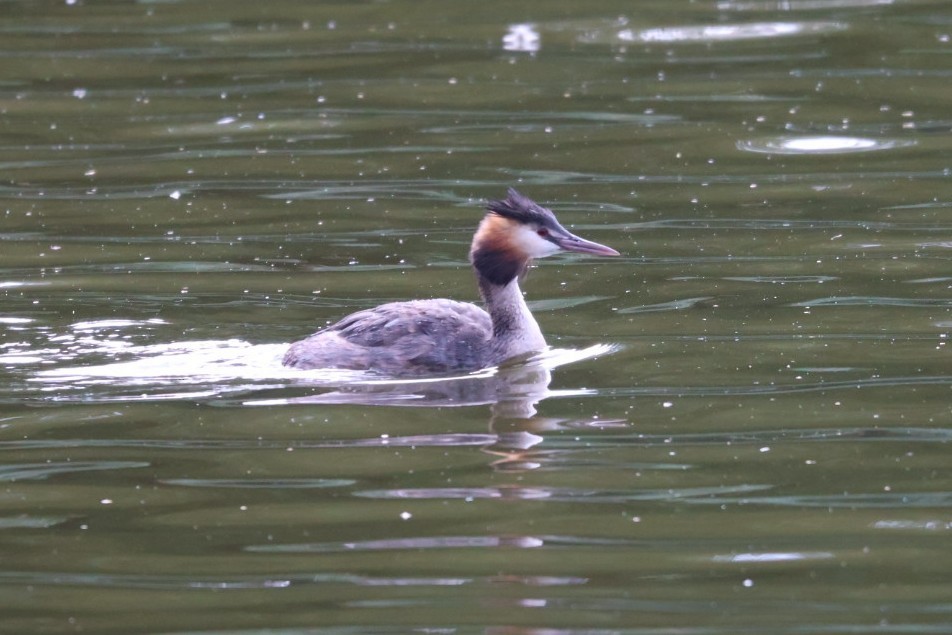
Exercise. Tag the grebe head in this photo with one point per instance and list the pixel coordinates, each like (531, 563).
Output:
(515, 231)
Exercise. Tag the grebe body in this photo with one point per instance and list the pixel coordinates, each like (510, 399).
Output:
(424, 337)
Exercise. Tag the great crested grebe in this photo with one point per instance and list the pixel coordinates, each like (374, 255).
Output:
(422, 337)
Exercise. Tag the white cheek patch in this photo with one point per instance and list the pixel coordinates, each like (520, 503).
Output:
(532, 244)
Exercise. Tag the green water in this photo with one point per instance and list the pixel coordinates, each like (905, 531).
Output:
(743, 425)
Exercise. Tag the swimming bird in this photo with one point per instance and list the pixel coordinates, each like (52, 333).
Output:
(431, 337)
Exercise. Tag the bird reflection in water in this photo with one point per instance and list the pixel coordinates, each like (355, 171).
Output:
(512, 391)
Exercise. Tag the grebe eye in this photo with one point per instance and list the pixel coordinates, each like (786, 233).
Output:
(542, 231)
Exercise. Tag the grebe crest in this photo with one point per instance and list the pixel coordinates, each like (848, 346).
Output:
(423, 337)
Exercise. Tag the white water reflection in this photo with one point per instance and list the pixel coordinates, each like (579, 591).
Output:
(797, 5)
(820, 144)
(409, 543)
(729, 32)
(772, 557)
(523, 38)
(237, 359)
(217, 368)
(914, 525)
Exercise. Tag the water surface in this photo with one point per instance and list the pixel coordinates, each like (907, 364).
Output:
(743, 425)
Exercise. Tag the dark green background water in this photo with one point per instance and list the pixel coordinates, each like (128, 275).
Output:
(744, 427)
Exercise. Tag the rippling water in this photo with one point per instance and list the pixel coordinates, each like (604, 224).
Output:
(743, 425)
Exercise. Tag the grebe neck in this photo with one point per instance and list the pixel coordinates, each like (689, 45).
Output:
(515, 330)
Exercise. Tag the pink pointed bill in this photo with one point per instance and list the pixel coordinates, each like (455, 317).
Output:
(571, 242)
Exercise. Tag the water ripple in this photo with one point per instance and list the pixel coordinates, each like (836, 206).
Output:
(891, 500)
(41, 471)
(32, 522)
(722, 495)
(552, 442)
(562, 177)
(782, 279)
(435, 189)
(777, 224)
(758, 438)
(564, 494)
(862, 300)
(198, 583)
(798, 5)
(774, 389)
(415, 543)
(431, 440)
(274, 483)
(673, 305)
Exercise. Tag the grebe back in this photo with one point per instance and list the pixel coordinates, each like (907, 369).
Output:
(422, 337)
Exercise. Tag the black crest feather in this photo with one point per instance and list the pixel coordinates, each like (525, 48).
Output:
(521, 209)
